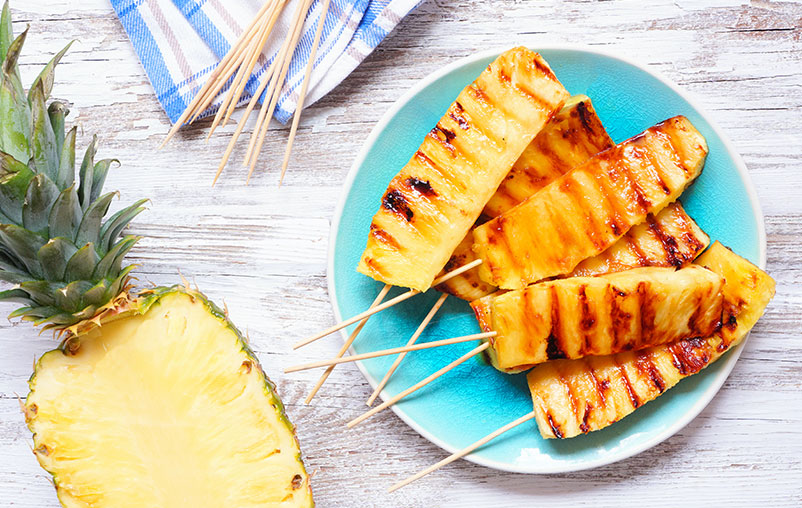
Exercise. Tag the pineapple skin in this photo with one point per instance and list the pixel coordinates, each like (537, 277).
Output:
(581, 316)
(571, 137)
(434, 200)
(588, 209)
(573, 397)
(70, 495)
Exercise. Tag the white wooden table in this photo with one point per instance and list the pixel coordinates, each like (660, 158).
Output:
(263, 250)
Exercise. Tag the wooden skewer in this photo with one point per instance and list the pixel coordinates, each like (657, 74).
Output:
(463, 452)
(347, 344)
(205, 95)
(420, 384)
(412, 340)
(391, 351)
(304, 86)
(386, 305)
(255, 147)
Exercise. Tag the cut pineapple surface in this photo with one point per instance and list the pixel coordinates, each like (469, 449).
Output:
(164, 408)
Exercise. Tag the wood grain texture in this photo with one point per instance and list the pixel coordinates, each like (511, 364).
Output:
(263, 250)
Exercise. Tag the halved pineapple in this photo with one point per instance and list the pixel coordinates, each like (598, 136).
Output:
(570, 138)
(573, 397)
(435, 199)
(580, 316)
(165, 407)
(591, 207)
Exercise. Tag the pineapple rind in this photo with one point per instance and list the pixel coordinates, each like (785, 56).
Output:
(573, 397)
(71, 495)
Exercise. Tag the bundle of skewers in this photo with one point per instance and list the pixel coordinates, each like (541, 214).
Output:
(580, 264)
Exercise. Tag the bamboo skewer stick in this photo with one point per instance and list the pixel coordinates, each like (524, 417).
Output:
(386, 305)
(420, 384)
(412, 340)
(205, 95)
(347, 345)
(304, 86)
(463, 452)
(391, 351)
(256, 148)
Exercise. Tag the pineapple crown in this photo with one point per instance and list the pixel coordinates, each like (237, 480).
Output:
(64, 260)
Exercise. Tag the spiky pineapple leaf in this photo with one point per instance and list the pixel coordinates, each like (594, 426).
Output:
(66, 171)
(43, 140)
(16, 122)
(111, 263)
(6, 32)
(10, 67)
(82, 263)
(99, 173)
(114, 226)
(24, 245)
(86, 174)
(15, 295)
(41, 291)
(41, 195)
(47, 76)
(70, 297)
(14, 180)
(54, 256)
(89, 230)
(57, 112)
(97, 295)
(66, 215)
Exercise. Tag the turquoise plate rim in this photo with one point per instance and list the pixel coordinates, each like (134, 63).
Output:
(704, 397)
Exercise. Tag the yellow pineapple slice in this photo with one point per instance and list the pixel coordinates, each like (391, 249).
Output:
(434, 200)
(671, 238)
(570, 138)
(581, 316)
(586, 210)
(573, 397)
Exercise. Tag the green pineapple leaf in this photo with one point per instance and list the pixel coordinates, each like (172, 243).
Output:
(97, 295)
(86, 173)
(111, 263)
(15, 295)
(6, 32)
(24, 245)
(82, 263)
(66, 171)
(43, 141)
(89, 230)
(70, 296)
(41, 292)
(58, 112)
(41, 195)
(47, 76)
(16, 124)
(54, 256)
(14, 180)
(114, 226)
(66, 215)
(99, 176)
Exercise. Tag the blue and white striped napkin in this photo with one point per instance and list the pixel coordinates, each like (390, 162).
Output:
(180, 42)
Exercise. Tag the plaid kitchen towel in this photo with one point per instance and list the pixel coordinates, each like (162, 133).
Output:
(180, 42)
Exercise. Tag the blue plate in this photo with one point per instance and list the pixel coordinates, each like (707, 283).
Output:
(475, 399)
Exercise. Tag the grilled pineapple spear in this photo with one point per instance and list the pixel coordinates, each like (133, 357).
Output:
(572, 136)
(573, 397)
(580, 316)
(588, 209)
(435, 199)
(154, 399)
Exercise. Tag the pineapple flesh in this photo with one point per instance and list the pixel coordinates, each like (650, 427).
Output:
(166, 407)
(588, 209)
(573, 397)
(571, 137)
(434, 200)
(153, 398)
(581, 316)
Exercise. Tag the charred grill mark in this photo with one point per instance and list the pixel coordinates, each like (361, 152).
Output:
(479, 95)
(619, 320)
(571, 397)
(587, 320)
(585, 116)
(632, 243)
(375, 266)
(544, 69)
(503, 76)
(640, 196)
(553, 349)
(648, 368)
(446, 138)
(572, 190)
(584, 425)
(688, 355)
(658, 131)
(600, 390)
(633, 397)
(674, 255)
(555, 429)
(422, 187)
(384, 237)
(647, 316)
(459, 119)
(395, 202)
